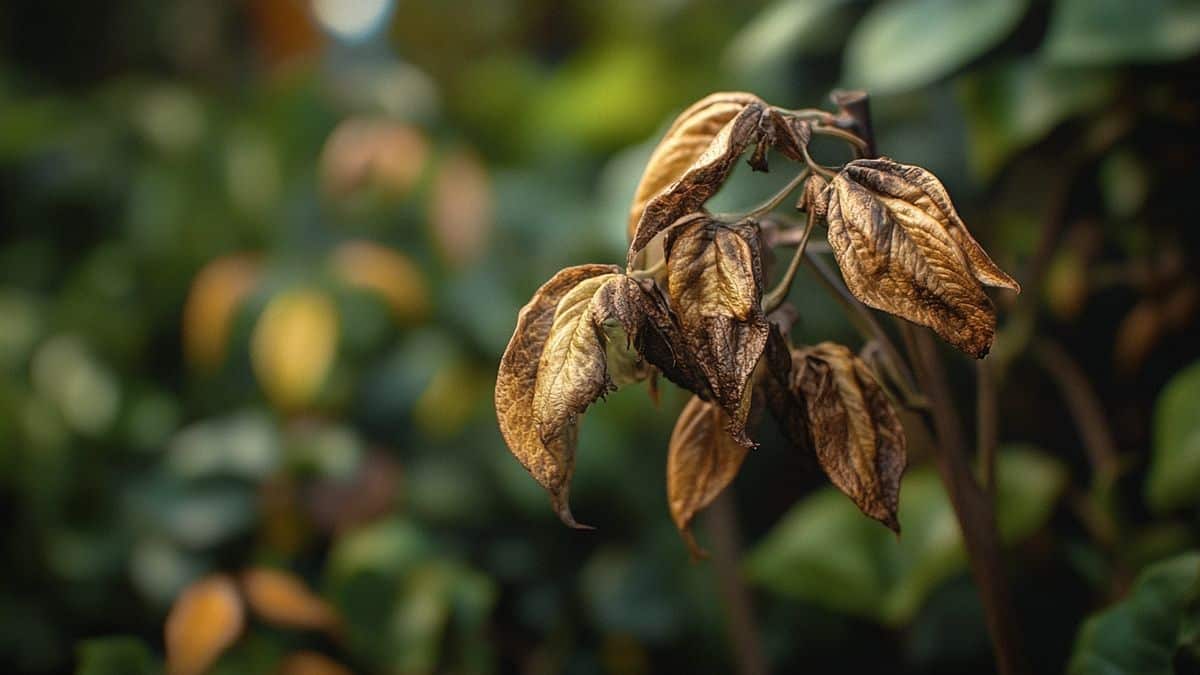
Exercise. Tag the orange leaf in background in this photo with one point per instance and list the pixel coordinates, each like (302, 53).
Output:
(216, 293)
(385, 271)
(204, 621)
(460, 210)
(386, 153)
(294, 345)
(283, 599)
(311, 663)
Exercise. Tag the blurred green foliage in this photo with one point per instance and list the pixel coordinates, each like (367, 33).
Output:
(255, 279)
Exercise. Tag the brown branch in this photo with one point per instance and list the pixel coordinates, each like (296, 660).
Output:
(976, 517)
(721, 522)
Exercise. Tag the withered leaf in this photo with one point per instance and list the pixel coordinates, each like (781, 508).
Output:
(714, 281)
(550, 464)
(701, 461)
(573, 371)
(692, 161)
(203, 622)
(815, 198)
(903, 249)
(857, 436)
(785, 403)
(661, 342)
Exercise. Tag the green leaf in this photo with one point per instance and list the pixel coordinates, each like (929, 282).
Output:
(1013, 105)
(1141, 633)
(1106, 32)
(781, 30)
(824, 551)
(900, 46)
(1174, 477)
(115, 656)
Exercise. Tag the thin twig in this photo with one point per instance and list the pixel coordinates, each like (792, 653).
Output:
(772, 300)
(774, 201)
(1084, 407)
(986, 423)
(844, 135)
(721, 520)
(866, 324)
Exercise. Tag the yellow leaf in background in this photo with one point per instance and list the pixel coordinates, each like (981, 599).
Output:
(447, 403)
(283, 599)
(360, 152)
(204, 621)
(311, 663)
(460, 210)
(294, 345)
(385, 271)
(217, 291)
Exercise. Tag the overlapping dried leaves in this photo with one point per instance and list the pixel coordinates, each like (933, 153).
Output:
(700, 320)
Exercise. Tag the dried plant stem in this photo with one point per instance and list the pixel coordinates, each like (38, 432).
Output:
(721, 520)
(859, 144)
(976, 516)
(1084, 406)
(776, 199)
(986, 424)
(772, 300)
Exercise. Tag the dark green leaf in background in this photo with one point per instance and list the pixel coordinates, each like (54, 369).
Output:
(905, 44)
(823, 551)
(1105, 32)
(1142, 633)
(1174, 478)
(1013, 105)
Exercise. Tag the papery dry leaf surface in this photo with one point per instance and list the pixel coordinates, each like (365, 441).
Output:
(903, 249)
(702, 460)
(857, 436)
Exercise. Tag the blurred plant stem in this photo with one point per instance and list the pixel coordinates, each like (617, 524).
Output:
(744, 637)
(973, 507)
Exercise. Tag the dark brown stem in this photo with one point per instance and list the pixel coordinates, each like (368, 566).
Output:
(986, 423)
(976, 517)
(721, 521)
(1084, 406)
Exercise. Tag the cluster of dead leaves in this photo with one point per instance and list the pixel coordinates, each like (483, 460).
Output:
(698, 318)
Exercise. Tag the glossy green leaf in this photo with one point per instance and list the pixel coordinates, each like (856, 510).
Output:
(824, 551)
(115, 656)
(1142, 633)
(1106, 32)
(1013, 105)
(1174, 478)
(906, 44)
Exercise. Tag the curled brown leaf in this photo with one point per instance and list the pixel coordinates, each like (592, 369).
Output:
(550, 464)
(903, 249)
(857, 436)
(573, 370)
(701, 462)
(692, 162)
(714, 281)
